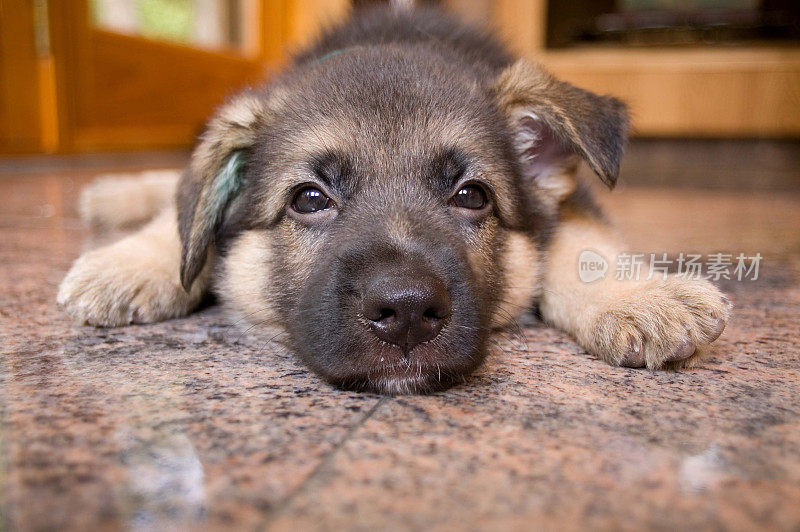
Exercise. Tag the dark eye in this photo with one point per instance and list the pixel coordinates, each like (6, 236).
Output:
(470, 197)
(310, 199)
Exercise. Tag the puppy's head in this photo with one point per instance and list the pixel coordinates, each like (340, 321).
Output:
(383, 209)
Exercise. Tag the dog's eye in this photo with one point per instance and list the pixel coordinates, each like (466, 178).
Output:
(310, 199)
(470, 197)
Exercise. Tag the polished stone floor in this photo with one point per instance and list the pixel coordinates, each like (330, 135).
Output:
(197, 423)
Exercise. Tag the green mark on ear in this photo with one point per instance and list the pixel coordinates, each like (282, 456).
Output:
(217, 196)
(209, 212)
(227, 182)
(333, 53)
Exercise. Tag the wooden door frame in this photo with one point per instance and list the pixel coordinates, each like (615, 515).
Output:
(27, 86)
(283, 25)
(72, 40)
(43, 81)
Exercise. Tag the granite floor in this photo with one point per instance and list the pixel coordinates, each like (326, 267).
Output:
(197, 423)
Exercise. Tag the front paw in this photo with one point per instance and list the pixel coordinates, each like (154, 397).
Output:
(124, 284)
(664, 323)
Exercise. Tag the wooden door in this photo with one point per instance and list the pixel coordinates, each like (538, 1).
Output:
(71, 81)
(122, 91)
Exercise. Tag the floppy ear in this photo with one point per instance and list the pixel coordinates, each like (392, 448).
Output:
(554, 122)
(213, 178)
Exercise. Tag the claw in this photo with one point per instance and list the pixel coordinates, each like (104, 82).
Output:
(634, 357)
(684, 351)
(718, 328)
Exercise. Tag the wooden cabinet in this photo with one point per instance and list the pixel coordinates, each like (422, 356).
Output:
(672, 92)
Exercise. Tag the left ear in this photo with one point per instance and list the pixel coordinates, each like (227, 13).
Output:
(554, 122)
(213, 178)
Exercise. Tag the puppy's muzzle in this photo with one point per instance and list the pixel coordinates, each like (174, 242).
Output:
(406, 309)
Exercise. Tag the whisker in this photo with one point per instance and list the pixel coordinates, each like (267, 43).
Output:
(514, 324)
(263, 347)
(243, 318)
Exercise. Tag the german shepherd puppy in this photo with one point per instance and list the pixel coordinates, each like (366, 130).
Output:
(402, 190)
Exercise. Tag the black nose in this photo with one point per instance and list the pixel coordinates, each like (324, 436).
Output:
(406, 309)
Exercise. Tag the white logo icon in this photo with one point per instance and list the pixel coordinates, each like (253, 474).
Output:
(591, 266)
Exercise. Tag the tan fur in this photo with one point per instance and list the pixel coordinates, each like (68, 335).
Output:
(134, 280)
(627, 322)
(555, 187)
(244, 276)
(520, 264)
(245, 282)
(125, 200)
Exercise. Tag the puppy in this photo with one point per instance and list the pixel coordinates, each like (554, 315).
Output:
(402, 190)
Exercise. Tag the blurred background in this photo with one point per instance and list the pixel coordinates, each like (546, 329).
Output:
(98, 75)
(713, 85)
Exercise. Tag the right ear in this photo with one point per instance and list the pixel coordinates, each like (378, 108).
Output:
(213, 178)
(553, 123)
